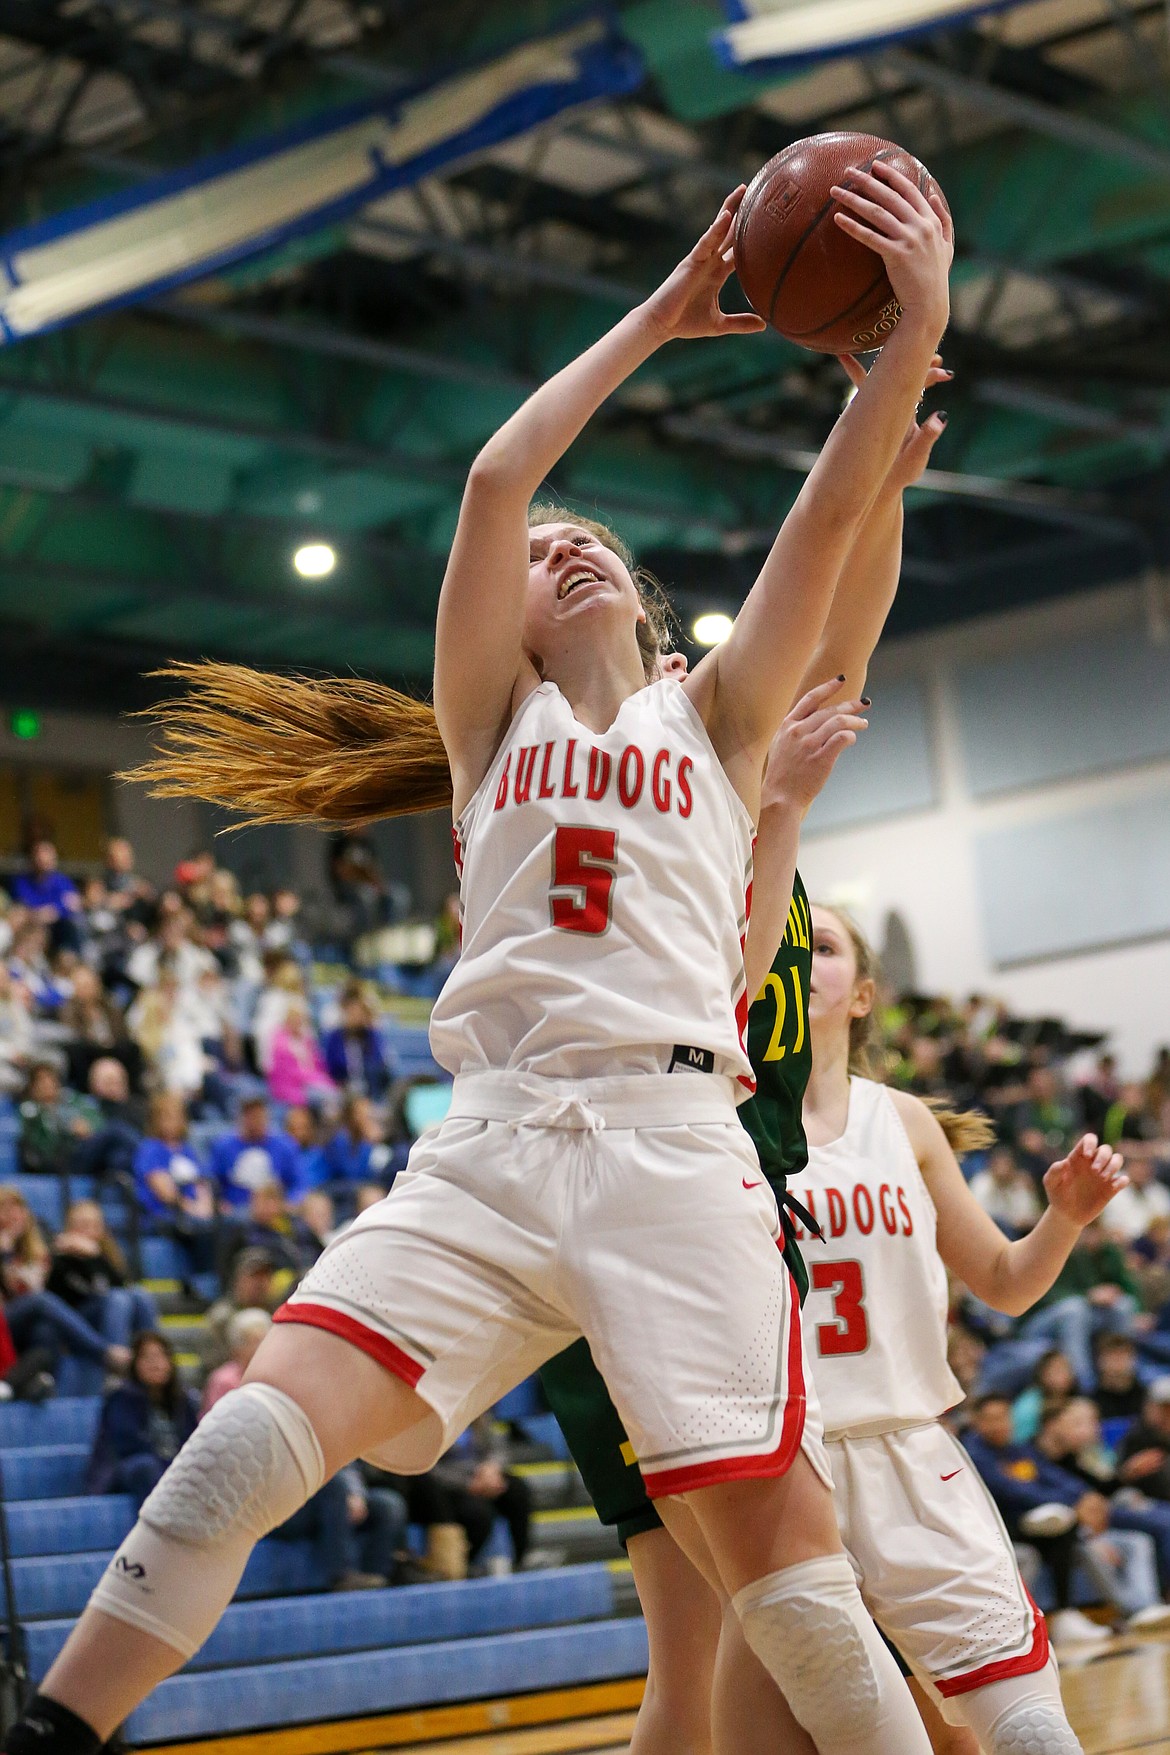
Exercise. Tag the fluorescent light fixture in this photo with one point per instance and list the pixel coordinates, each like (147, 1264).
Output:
(712, 629)
(313, 560)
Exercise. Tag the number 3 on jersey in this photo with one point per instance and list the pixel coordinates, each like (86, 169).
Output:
(849, 1330)
(584, 867)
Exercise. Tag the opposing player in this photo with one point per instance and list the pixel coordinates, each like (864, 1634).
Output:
(936, 1567)
(578, 1186)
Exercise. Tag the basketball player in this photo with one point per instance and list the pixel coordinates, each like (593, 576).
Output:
(936, 1567)
(682, 1613)
(579, 1185)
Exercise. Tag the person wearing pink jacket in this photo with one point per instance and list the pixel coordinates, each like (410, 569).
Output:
(296, 1069)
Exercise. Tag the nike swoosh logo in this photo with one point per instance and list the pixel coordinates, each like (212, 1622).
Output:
(751, 1184)
(951, 1476)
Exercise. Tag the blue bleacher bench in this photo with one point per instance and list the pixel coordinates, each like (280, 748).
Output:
(283, 1628)
(217, 1702)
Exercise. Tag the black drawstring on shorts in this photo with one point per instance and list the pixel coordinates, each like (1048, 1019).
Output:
(789, 1205)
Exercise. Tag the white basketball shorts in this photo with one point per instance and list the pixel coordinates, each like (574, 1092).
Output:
(934, 1563)
(631, 1210)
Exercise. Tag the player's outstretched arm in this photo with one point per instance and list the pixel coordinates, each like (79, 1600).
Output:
(479, 655)
(1009, 1276)
(802, 755)
(869, 578)
(757, 670)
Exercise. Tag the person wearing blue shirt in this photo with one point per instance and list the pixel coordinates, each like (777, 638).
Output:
(253, 1155)
(353, 1052)
(356, 1153)
(49, 895)
(171, 1185)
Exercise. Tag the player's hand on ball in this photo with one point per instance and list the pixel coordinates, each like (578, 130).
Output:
(910, 231)
(804, 750)
(1081, 1186)
(921, 438)
(686, 305)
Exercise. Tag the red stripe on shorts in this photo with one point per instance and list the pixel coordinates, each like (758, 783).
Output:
(347, 1329)
(1025, 1665)
(664, 1482)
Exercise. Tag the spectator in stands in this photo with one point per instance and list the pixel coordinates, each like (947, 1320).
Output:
(1025, 1486)
(302, 1128)
(245, 1330)
(1094, 1291)
(37, 1318)
(173, 1190)
(320, 1222)
(143, 1423)
(1053, 1383)
(1149, 1257)
(326, 1522)
(28, 964)
(1119, 1394)
(1131, 1212)
(168, 1030)
(1098, 1094)
(1072, 1437)
(175, 947)
(1043, 1123)
(296, 1070)
(126, 891)
(1145, 1450)
(469, 1487)
(52, 1121)
(26, 1376)
(284, 986)
(353, 1051)
(96, 1029)
(17, 1041)
(49, 895)
(251, 1155)
(1132, 1117)
(357, 1152)
(88, 1272)
(246, 939)
(279, 1234)
(368, 1195)
(254, 1285)
(377, 1525)
(108, 1151)
(1005, 1192)
(281, 933)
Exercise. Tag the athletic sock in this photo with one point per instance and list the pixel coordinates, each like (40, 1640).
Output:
(47, 1728)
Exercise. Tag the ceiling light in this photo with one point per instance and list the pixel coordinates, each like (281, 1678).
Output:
(313, 560)
(713, 629)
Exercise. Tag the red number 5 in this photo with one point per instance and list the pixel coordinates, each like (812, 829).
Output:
(849, 1331)
(584, 867)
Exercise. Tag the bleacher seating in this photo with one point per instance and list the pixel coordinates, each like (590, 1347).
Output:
(283, 1657)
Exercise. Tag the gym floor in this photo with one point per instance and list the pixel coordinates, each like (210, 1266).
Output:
(1119, 1703)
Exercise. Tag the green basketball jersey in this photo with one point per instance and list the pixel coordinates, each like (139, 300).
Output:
(779, 1049)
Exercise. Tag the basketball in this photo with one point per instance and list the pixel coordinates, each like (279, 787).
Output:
(805, 276)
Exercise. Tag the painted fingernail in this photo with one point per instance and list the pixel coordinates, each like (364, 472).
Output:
(841, 678)
(865, 701)
(943, 416)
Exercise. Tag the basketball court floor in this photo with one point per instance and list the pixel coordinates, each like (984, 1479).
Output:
(1119, 1703)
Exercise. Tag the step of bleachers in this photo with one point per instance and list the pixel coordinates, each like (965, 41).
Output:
(219, 1702)
(64, 1420)
(57, 1585)
(280, 1629)
(575, 1533)
(76, 1525)
(45, 1471)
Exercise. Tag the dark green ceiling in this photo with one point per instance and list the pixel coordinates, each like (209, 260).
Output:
(159, 466)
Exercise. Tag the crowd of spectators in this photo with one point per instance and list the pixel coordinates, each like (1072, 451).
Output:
(173, 1045)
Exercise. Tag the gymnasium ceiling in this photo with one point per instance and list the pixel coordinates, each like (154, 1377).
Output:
(159, 465)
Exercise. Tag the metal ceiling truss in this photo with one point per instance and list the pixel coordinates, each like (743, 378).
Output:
(369, 363)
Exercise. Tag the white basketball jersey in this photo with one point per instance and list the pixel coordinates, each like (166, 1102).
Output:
(875, 1319)
(605, 883)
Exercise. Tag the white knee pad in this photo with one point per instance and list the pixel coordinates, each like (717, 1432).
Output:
(810, 1630)
(1021, 1716)
(247, 1467)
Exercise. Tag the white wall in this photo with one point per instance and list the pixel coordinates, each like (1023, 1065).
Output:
(922, 865)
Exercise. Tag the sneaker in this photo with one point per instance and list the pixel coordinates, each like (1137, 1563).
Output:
(1070, 1627)
(1145, 1620)
(359, 1581)
(1047, 1520)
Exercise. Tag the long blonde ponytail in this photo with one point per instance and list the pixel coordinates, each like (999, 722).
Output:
(967, 1130)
